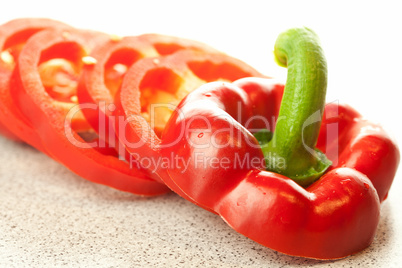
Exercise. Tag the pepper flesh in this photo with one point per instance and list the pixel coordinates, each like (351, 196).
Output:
(53, 119)
(102, 78)
(13, 36)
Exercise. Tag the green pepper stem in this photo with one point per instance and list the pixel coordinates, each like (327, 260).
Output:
(291, 151)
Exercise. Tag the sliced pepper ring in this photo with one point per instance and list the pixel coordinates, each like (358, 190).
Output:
(103, 75)
(13, 36)
(52, 119)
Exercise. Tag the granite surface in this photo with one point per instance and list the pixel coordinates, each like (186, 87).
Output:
(50, 217)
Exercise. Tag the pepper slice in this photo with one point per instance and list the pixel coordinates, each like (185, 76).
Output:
(102, 77)
(153, 87)
(13, 36)
(53, 118)
(225, 171)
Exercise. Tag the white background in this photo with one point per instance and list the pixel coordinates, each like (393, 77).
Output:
(363, 44)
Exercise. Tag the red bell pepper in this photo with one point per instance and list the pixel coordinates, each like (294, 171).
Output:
(13, 36)
(332, 218)
(55, 119)
(164, 81)
(280, 190)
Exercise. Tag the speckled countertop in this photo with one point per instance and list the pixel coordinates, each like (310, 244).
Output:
(50, 217)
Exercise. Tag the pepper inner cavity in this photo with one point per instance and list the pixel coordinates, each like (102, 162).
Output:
(161, 91)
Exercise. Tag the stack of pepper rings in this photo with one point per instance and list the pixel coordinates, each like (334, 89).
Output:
(152, 114)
